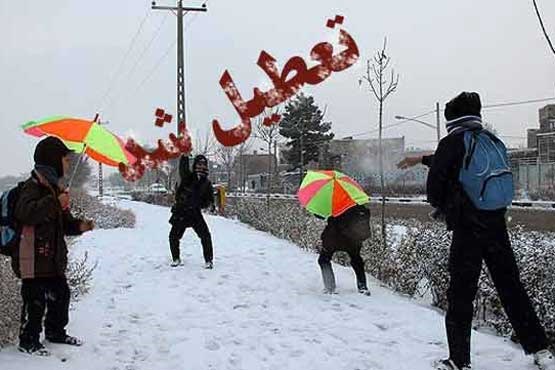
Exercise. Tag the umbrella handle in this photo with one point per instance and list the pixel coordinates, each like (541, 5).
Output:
(76, 167)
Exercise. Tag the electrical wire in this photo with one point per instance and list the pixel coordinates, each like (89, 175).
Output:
(161, 59)
(115, 75)
(144, 51)
(510, 104)
(157, 65)
(394, 124)
(543, 27)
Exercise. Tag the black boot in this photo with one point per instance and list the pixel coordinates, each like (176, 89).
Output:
(33, 348)
(65, 339)
(363, 289)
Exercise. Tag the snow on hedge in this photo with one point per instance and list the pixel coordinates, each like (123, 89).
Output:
(414, 262)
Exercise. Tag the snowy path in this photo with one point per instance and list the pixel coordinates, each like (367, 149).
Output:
(260, 308)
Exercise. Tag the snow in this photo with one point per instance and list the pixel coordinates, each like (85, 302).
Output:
(260, 308)
(398, 232)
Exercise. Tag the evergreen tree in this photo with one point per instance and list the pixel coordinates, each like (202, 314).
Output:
(304, 126)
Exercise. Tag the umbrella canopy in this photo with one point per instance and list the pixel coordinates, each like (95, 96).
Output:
(83, 136)
(330, 193)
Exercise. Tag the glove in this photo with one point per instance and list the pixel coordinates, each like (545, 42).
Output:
(437, 215)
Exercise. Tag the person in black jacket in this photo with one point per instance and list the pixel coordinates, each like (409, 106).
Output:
(194, 193)
(337, 237)
(478, 235)
(40, 259)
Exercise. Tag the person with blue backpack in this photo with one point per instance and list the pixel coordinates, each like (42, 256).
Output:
(470, 186)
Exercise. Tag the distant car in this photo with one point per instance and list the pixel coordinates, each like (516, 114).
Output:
(157, 188)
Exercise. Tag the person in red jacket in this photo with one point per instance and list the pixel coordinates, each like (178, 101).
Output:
(40, 259)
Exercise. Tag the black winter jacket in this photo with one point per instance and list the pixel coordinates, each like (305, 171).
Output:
(445, 192)
(42, 250)
(193, 192)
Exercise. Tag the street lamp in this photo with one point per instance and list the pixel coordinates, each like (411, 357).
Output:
(435, 127)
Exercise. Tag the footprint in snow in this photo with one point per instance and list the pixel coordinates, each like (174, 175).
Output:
(212, 345)
(238, 306)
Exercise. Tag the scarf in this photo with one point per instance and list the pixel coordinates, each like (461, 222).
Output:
(466, 123)
(49, 173)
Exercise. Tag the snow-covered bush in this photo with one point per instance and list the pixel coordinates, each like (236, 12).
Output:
(10, 303)
(154, 198)
(103, 215)
(79, 275)
(415, 262)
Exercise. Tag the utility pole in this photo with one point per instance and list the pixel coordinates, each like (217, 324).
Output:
(100, 173)
(180, 11)
(438, 122)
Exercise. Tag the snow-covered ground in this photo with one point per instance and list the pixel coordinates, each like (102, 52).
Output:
(260, 308)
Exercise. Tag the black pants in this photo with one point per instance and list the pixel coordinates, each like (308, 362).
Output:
(38, 295)
(333, 241)
(193, 219)
(468, 249)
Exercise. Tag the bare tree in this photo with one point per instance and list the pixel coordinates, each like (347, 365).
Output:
(167, 174)
(205, 143)
(242, 149)
(226, 156)
(269, 135)
(382, 82)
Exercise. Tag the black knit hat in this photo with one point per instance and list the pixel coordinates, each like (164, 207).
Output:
(464, 104)
(200, 159)
(49, 152)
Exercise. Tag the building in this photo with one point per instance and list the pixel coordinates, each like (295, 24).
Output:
(414, 176)
(547, 118)
(534, 167)
(359, 158)
(532, 137)
(546, 146)
(247, 165)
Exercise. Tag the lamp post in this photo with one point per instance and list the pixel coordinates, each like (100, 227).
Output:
(435, 127)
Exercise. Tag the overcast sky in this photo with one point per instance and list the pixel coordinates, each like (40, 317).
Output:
(60, 57)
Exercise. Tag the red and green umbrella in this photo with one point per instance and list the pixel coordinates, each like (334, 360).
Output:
(330, 193)
(83, 136)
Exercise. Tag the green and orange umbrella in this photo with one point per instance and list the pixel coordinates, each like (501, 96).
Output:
(83, 136)
(330, 193)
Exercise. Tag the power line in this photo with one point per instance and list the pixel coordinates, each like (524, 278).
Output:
(162, 57)
(510, 104)
(151, 72)
(157, 65)
(394, 124)
(543, 26)
(142, 54)
(126, 55)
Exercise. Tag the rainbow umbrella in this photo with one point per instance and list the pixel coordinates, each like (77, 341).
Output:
(83, 136)
(330, 193)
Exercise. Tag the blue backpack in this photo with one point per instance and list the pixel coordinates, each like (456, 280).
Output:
(486, 175)
(9, 232)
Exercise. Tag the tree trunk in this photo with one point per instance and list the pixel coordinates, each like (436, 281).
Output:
(269, 172)
(382, 181)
